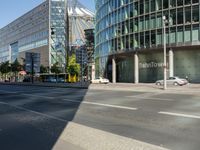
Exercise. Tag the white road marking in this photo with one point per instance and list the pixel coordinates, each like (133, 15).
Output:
(39, 96)
(147, 96)
(100, 104)
(179, 115)
(158, 99)
(83, 102)
(35, 112)
(8, 92)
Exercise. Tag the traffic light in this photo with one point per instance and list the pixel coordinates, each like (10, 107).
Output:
(52, 31)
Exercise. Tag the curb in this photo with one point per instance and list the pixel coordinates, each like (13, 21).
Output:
(46, 85)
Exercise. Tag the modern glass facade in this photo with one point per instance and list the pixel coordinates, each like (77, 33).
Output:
(32, 33)
(58, 27)
(127, 27)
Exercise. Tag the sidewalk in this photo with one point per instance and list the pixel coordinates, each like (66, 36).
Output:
(94, 139)
(83, 85)
(147, 87)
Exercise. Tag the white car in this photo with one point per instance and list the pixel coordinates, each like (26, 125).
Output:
(173, 81)
(100, 80)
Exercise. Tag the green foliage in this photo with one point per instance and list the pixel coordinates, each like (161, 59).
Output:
(16, 66)
(5, 67)
(55, 68)
(43, 69)
(73, 68)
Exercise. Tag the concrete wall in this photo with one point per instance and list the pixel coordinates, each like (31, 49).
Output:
(187, 63)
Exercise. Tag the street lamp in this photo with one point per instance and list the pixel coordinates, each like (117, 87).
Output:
(165, 53)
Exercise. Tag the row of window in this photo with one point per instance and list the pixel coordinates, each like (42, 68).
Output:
(58, 27)
(33, 45)
(175, 16)
(154, 38)
(142, 6)
(24, 26)
(34, 37)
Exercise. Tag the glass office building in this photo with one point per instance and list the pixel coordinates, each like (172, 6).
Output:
(129, 39)
(41, 30)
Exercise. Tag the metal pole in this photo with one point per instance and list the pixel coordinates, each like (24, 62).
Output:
(81, 66)
(32, 67)
(165, 53)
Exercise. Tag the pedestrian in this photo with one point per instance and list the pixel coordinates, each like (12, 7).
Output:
(186, 77)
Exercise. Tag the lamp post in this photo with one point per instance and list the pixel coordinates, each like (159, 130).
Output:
(32, 68)
(165, 53)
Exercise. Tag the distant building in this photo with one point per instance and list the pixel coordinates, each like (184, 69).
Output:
(41, 30)
(129, 39)
(80, 18)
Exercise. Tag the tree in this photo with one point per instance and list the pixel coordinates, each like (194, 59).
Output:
(16, 67)
(43, 69)
(55, 69)
(5, 68)
(73, 68)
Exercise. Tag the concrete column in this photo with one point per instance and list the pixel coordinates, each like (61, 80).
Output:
(93, 72)
(113, 70)
(136, 67)
(171, 63)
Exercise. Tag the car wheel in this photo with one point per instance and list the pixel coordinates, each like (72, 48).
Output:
(158, 83)
(175, 83)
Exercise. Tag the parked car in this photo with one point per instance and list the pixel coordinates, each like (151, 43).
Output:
(27, 79)
(100, 80)
(60, 80)
(173, 81)
(52, 80)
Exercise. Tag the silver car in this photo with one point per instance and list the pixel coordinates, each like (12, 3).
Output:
(173, 81)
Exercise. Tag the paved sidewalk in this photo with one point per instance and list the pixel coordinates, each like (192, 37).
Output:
(64, 145)
(147, 87)
(93, 139)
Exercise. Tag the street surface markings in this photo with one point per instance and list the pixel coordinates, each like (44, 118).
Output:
(147, 96)
(157, 99)
(100, 104)
(8, 92)
(179, 115)
(35, 112)
(39, 96)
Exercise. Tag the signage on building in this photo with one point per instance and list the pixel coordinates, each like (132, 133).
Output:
(152, 65)
(32, 60)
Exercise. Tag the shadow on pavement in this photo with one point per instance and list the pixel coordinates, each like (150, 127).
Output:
(35, 121)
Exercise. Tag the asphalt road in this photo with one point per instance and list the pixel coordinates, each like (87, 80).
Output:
(34, 117)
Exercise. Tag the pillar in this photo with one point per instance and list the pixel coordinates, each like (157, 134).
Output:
(171, 63)
(93, 71)
(136, 69)
(113, 70)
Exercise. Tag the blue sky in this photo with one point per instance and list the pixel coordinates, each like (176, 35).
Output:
(12, 9)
